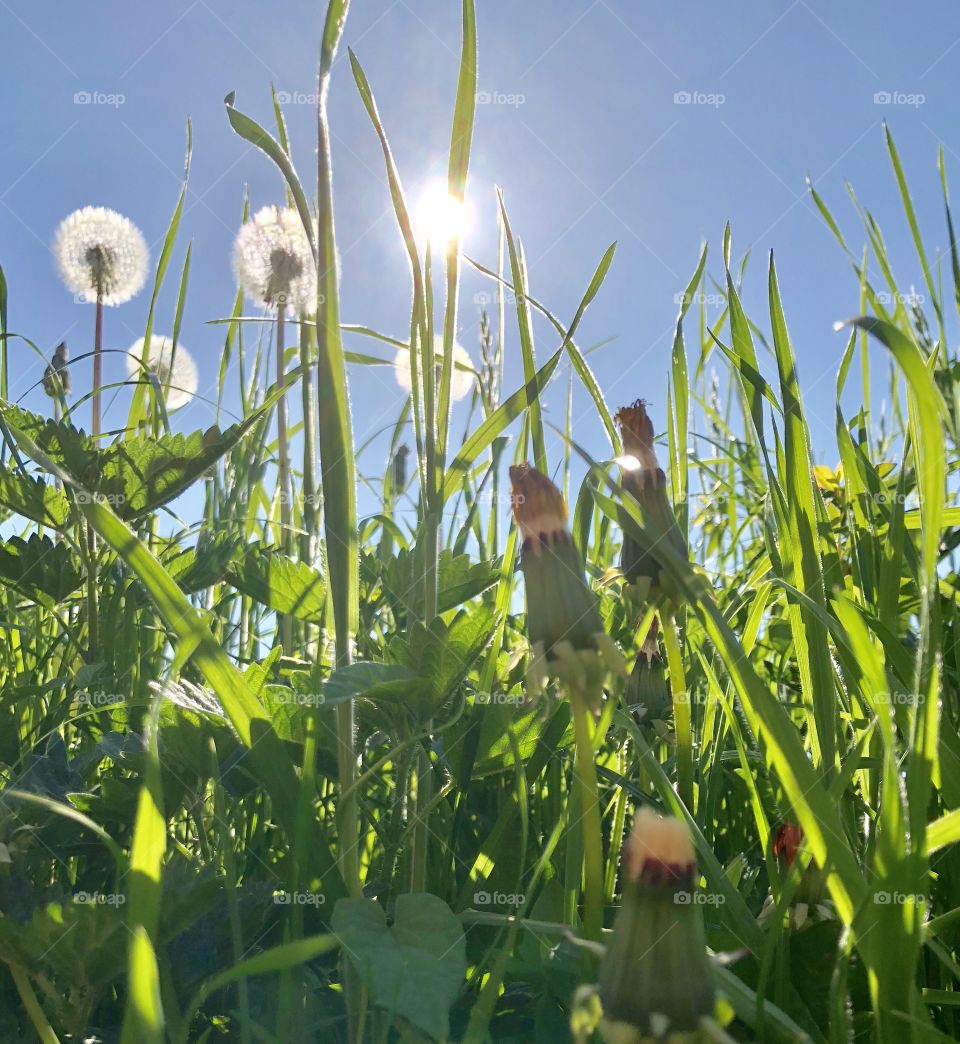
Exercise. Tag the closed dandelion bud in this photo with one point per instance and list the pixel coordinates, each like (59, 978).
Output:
(563, 617)
(656, 974)
(56, 377)
(644, 478)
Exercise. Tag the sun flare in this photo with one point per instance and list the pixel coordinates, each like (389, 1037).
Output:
(442, 216)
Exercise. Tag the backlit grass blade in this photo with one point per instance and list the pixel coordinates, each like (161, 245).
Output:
(915, 230)
(251, 131)
(810, 638)
(496, 423)
(337, 466)
(137, 403)
(525, 325)
(461, 140)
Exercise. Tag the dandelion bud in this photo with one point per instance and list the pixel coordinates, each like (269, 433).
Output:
(56, 377)
(563, 618)
(400, 468)
(643, 477)
(656, 974)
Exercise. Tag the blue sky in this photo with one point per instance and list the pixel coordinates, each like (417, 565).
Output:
(583, 124)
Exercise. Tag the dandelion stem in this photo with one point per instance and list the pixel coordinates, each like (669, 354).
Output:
(682, 720)
(586, 775)
(93, 598)
(97, 364)
(283, 470)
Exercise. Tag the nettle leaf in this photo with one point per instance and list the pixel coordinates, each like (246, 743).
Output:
(371, 680)
(33, 498)
(458, 580)
(271, 578)
(413, 967)
(79, 945)
(65, 445)
(38, 568)
(196, 569)
(139, 474)
(452, 650)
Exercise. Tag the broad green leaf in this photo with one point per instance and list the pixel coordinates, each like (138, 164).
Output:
(414, 967)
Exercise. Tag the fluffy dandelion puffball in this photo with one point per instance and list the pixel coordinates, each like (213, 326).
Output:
(461, 380)
(101, 252)
(274, 262)
(183, 378)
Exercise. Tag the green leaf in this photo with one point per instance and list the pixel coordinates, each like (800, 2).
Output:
(278, 582)
(44, 571)
(366, 679)
(139, 474)
(33, 498)
(413, 968)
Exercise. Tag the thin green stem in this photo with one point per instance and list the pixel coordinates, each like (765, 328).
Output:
(586, 774)
(682, 710)
(32, 1005)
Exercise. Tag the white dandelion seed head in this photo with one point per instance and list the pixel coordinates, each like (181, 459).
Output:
(461, 380)
(183, 380)
(273, 261)
(99, 251)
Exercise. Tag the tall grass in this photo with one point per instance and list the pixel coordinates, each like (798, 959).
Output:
(372, 831)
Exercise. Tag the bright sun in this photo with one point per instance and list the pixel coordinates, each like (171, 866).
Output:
(442, 216)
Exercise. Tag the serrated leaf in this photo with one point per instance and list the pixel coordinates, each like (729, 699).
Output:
(366, 679)
(33, 498)
(140, 474)
(40, 569)
(459, 579)
(271, 578)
